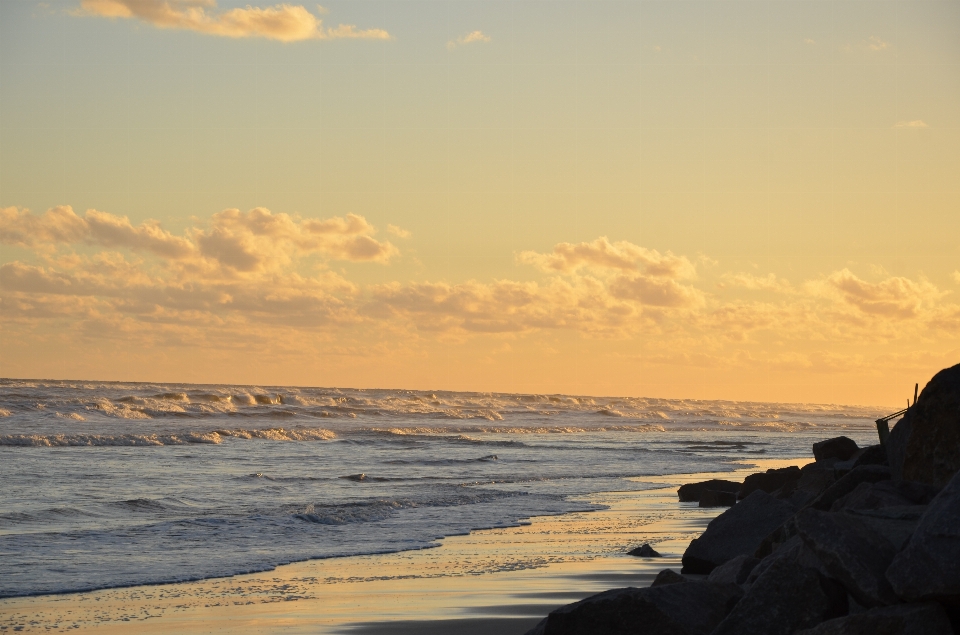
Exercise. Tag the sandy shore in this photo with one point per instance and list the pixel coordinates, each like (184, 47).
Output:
(499, 581)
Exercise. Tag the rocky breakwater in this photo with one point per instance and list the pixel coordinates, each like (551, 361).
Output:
(860, 541)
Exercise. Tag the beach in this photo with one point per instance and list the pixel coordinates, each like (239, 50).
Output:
(501, 580)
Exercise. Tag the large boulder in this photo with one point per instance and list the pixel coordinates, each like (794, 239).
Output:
(851, 552)
(686, 608)
(841, 448)
(927, 618)
(785, 598)
(885, 494)
(737, 531)
(929, 565)
(925, 445)
(712, 498)
(849, 482)
(644, 551)
(734, 571)
(769, 481)
(691, 492)
(668, 576)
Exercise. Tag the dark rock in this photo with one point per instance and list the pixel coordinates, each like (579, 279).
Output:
(734, 571)
(794, 551)
(929, 565)
(851, 552)
(841, 448)
(872, 455)
(691, 491)
(927, 618)
(689, 608)
(711, 498)
(737, 531)
(768, 481)
(644, 551)
(849, 482)
(782, 600)
(885, 494)
(668, 576)
(925, 445)
(816, 477)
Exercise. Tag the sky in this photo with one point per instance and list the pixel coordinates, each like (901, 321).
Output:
(707, 199)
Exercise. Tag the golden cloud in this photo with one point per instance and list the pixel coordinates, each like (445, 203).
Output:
(283, 22)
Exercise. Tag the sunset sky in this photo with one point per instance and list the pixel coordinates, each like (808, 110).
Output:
(668, 198)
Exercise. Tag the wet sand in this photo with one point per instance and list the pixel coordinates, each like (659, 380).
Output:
(500, 581)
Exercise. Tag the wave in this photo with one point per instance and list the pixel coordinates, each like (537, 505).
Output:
(183, 438)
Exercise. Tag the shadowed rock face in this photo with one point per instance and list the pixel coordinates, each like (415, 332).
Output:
(927, 618)
(737, 531)
(785, 598)
(925, 445)
(691, 492)
(851, 552)
(684, 608)
(837, 448)
(929, 565)
(769, 481)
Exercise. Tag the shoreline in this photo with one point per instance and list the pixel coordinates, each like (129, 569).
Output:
(511, 577)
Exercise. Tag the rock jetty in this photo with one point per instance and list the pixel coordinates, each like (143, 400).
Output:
(860, 541)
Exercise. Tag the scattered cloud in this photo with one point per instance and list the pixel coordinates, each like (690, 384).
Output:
(809, 41)
(283, 22)
(473, 37)
(601, 254)
(770, 282)
(956, 277)
(874, 43)
(398, 232)
(916, 123)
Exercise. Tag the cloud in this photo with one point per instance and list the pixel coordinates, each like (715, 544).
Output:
(283, 22)
(231, 242)
(916, 123)
(874, 43)
(398, 232)
(770, 282)
(956, 276)
(601, 254)
(896, 297)
(473, 37)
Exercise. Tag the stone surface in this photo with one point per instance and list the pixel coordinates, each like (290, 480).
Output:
(925, 445)
(848, 483)
(929, 565)
(768, 481)
(737, 531)
(841, 448)
(644, 551)
(691, 491)
(885, 494)
(734, 571)
(711, 498)
(926, 618)
(851, 552)
(668, 576)
(816, 477)
(872, 455)
(784, 599)
(688, 608)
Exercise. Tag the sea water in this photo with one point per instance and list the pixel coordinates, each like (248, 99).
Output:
(117, 484)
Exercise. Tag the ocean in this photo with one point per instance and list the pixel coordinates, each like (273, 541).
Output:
(107, 484)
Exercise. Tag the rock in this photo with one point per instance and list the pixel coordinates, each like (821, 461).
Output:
(929, 565)
(794, 551)
(872, 455)
(885, 494)
(711, 498)
(782, 600)
(925, 445)
(644, 551)
(734, 571)
(768, 481)
(689, 608)
(895, 524)
(668, 576)
(926, 618)
(841, 448)
(848, 483)
(737, 531)
(850, 552)
(816, 477)
(691, 491)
